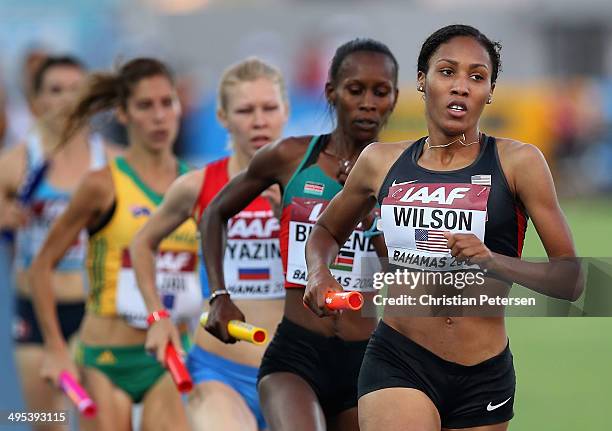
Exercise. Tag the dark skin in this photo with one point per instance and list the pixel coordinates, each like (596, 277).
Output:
(459, 72)
(363, 96)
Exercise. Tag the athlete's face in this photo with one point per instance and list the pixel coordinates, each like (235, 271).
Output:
(457, 85)
(152, 113)
(57, 95)
(364, 95)
(255, 114)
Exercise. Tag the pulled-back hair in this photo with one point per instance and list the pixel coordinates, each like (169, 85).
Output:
(248, 70)
(359, 45)
(111, 90)
(51, 62)
(445, 34)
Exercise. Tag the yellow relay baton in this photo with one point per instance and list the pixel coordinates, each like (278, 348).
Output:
(241, 330)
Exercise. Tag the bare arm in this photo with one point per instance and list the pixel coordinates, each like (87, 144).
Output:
(174, 210)
(344, 212)
(12, 167)
(342, 215)
(561, 276)
(272, 164)
(93, 197)
(269, 166)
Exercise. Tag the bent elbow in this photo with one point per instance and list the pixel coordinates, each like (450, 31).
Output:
(577, 288)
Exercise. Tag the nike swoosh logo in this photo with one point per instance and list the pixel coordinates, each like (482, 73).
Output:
(404, 183)
(491, 407)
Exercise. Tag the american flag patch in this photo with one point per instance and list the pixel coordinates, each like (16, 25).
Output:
(313, 188)
(430, 240)
(481, 180)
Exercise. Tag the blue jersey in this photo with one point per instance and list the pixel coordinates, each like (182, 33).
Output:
(47, 203)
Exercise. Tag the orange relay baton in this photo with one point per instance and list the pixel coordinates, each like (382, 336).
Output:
(344, 301)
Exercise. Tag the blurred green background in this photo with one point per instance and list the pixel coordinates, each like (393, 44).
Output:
(564, 364)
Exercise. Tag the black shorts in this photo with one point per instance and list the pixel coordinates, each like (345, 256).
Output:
(25, 325)
(465, 396)
(329, 365)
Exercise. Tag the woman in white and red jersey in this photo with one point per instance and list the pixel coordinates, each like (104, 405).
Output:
(253, 107)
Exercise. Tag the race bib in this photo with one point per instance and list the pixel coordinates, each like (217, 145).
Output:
(415, 217)
(351, 268)
(252, 264)
(177, 286)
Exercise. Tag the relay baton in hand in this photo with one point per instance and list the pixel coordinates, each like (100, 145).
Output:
(77, 394)
(344, 301)
(176, 366)
(26, 192)
(241, 330)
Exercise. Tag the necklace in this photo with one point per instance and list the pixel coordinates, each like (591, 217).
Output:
(460, 140)
(345, 165)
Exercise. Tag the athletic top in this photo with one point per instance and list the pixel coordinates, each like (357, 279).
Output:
(47, 203)
(113, 288)
(252, 265)
(306, 196)
(419, 204)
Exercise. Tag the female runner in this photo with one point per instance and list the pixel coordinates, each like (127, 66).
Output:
(113, 203)
(298, 389)
(55, 88)
(253, 108)
(449, 202)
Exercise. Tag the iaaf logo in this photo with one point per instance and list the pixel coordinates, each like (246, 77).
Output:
(173, 262)
(315, 212)
(439, 195)
(258, 228)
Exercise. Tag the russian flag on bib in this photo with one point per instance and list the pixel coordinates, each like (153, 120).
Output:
(253, 273)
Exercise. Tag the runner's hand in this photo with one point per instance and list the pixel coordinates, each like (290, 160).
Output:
(221, 311)
(54, 361)
(12, 215)
(466, 247)
(319, 284)
(159, 334)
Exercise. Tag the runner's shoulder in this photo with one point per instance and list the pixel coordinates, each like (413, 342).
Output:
(384, 153)
(188, 185)
(97, 183)
(516, 153)
(292, 147)
(283, 153)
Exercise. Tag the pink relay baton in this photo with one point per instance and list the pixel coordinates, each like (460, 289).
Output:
(77, 394)
(344, 301)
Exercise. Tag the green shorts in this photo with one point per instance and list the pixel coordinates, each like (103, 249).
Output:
(130, 368)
